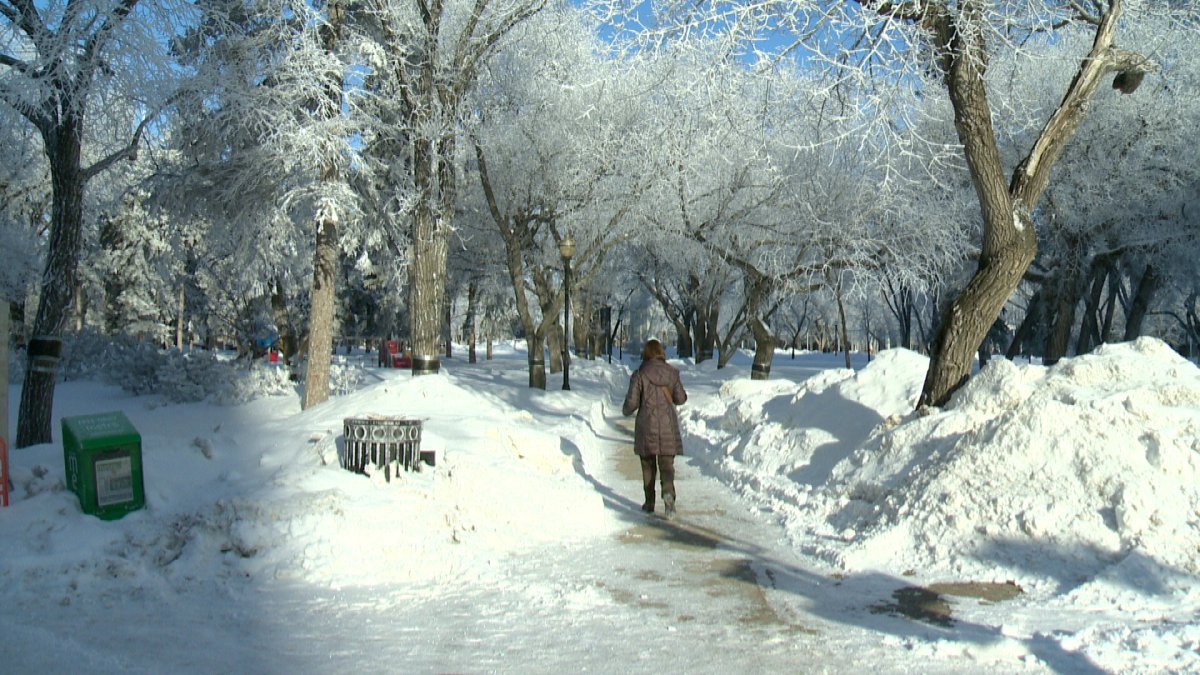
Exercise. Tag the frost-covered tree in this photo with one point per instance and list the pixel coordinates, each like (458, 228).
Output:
(875, 44)
(64, 65)
(427, 56)
(137, 270)
(753, 181)
(1121, 196)
(559, 151)
(266, 148)
(24, 207)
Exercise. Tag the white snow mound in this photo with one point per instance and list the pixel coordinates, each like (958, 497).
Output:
(1032, 470)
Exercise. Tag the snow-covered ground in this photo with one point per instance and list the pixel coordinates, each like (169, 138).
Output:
(817, 496)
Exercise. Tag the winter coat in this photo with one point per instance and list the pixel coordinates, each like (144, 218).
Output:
(654, 391)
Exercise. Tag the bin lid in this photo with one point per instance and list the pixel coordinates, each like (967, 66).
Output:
(110, 427)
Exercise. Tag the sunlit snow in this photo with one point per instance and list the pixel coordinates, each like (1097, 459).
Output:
(816, 494)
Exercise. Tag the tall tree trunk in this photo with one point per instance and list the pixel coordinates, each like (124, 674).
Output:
(447, 325)
(1064, 301)
(320, 335)
(844, 331)
(1142, 297)
(1115, 288)
(1089, 327)
(469, 323)
(427, 268)
(63, 146)
(516, 233)
(325, 254)
(1009, 241)
(180, 305)
(708, 314)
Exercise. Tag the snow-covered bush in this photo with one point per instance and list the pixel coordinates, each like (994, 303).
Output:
(141, 369)
(259, 381)
(198, 375)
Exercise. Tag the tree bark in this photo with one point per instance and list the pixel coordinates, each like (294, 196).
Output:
(1142, 297)
(63, 146)
(844, 332)
(469, 323)
(427, 266)
(1024, 332)
(537, 362)
(320, 334)
(707, 316)
(1064, 301)
(764, 349)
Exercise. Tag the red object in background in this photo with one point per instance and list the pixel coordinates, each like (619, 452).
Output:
(4, 472)
(402, 361)
(273, 357)
(390, 349)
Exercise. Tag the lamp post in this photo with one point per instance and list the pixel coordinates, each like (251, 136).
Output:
(566, 248)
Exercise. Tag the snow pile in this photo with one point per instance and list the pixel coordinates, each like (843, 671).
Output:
(260, 494)
(1087, 462)
(1087, 470)
(778, 440)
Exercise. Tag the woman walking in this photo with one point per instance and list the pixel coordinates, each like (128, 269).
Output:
(654, 391)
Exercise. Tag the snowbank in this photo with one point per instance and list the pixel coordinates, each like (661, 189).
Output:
(260, 493)
(1052, 476)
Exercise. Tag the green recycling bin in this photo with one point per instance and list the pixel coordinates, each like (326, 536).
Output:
(103, 456)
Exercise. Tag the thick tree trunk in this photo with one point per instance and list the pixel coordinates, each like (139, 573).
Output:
(537, 363)
(684, 346)
(325, 254)
(554, 338)
(427, 269)
(764, 349)
(58, 282)
(320, 335)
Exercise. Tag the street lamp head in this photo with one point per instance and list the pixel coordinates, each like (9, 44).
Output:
(566, 248)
